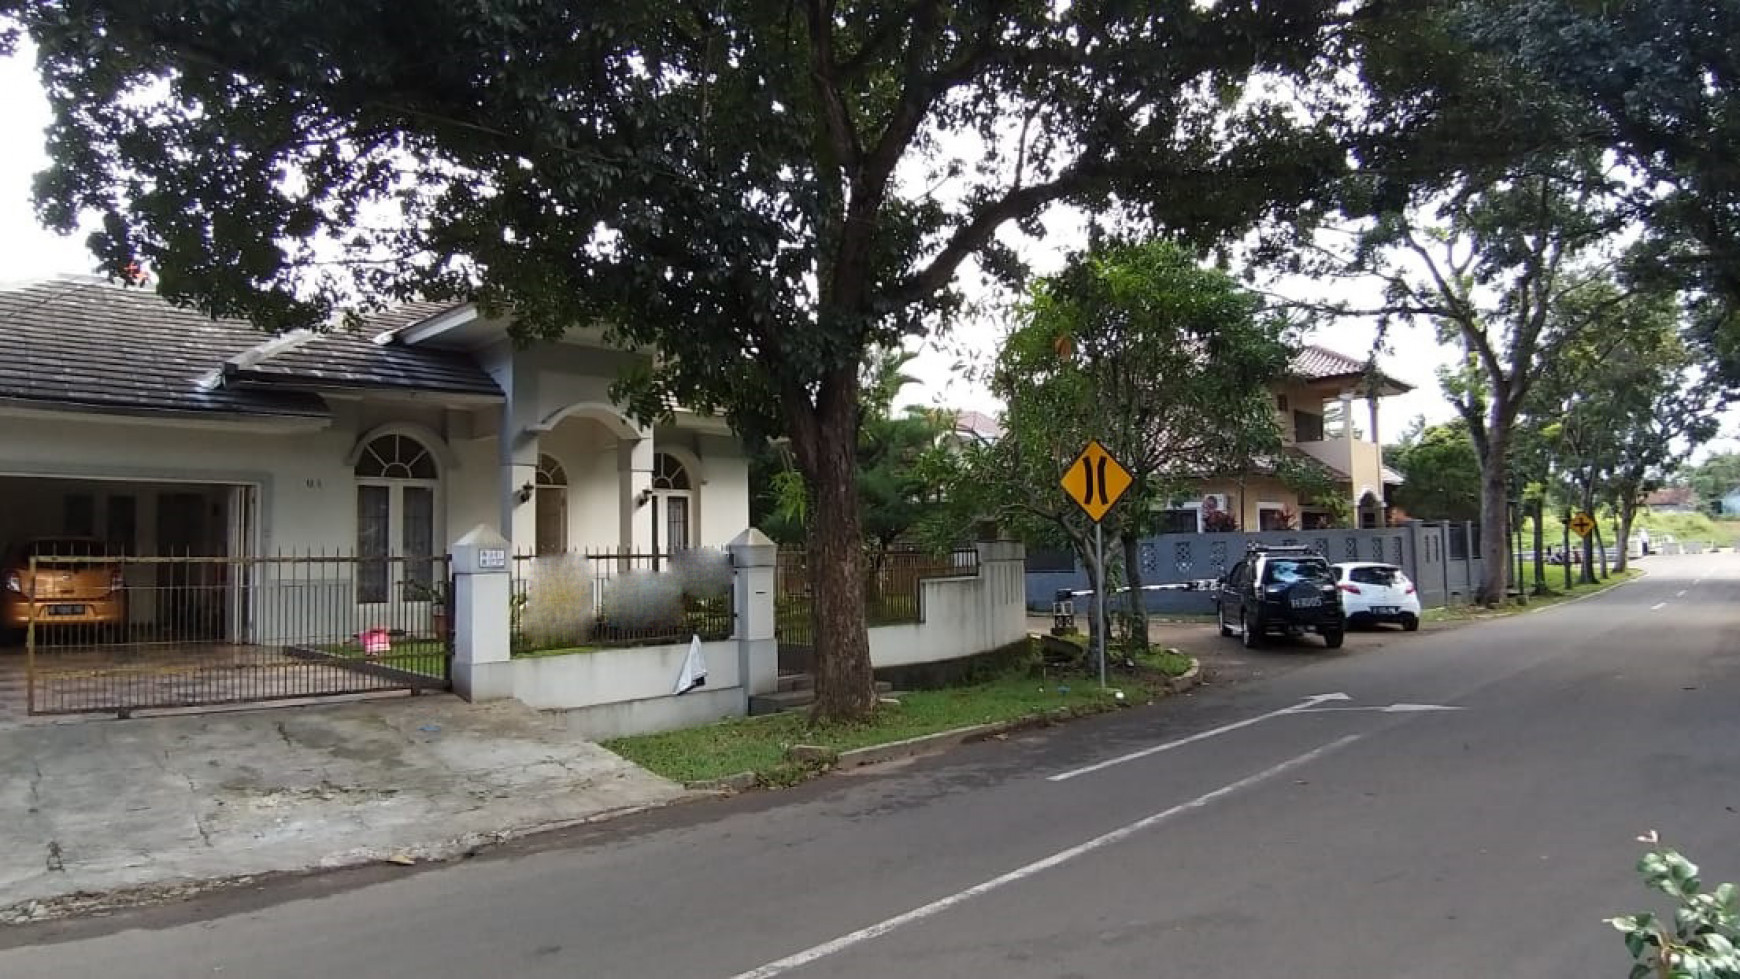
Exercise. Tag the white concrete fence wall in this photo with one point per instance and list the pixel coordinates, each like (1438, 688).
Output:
(632, 690)
(961, 616)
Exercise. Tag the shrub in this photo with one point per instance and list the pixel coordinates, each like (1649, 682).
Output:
(1700, 942)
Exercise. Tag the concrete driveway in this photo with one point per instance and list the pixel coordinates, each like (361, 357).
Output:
(157, 802)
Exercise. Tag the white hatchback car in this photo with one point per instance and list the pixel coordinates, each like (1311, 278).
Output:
(1373, 593)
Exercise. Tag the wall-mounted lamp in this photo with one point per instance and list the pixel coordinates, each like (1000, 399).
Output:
(524, 493)
(643, 498)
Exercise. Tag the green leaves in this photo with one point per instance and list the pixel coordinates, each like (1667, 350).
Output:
(1702, 941)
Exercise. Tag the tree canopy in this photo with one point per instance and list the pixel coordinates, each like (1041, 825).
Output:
(760, 192)
(1165, 362)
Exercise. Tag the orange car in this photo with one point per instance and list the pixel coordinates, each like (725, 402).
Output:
(87, 591)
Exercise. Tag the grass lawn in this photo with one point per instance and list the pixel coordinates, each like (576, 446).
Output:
(424, 656)
(758, 744)
(1555, 581)
(559, 651)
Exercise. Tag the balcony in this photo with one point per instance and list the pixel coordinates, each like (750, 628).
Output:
(1361, 462)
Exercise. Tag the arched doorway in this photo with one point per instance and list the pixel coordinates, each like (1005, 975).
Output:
(1371, 511)
(673, 504)
(552, 506)
(396, 517)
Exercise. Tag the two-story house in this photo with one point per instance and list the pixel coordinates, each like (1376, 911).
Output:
(1321, 425)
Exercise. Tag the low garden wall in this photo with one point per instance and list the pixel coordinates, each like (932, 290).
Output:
(608, 693)
(960, 617)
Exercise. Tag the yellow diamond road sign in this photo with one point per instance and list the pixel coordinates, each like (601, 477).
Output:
(1096, 481)
(1582, 523)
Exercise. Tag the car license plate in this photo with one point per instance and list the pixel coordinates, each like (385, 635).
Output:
(66, 610)
(1312, 602)
(1383, 610)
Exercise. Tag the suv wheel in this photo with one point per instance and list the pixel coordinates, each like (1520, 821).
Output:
(1333, 638)
(1251, 631)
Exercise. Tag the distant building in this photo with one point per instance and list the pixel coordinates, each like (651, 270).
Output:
(1673, 499)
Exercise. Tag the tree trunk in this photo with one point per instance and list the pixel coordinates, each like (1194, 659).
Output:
(1599, 543)
(845, 683)
(1540, 549)
(1494, 522)
(1588, 575)
(1137, 606)
(1627, 513)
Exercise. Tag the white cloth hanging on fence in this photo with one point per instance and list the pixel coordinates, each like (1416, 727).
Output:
(694, 672)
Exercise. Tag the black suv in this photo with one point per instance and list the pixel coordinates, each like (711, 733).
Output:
(1286, 590)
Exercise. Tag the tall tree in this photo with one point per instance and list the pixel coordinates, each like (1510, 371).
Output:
(1495, 268)
(1163, 361)
(761, 191)
(1658, 83)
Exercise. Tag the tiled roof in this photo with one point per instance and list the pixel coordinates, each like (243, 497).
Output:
(344, 359)
(396, 318)
(1314, 363)
(979, 424)
(86, 343)
(1672, 496)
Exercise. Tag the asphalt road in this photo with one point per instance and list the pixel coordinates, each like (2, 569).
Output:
(1332, 840)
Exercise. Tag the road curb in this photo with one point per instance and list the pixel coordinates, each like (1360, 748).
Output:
(1642, 573)
(942, 740)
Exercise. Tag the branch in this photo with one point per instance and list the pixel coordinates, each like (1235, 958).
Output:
(824, 73)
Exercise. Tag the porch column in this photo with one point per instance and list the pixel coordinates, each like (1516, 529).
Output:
(1372, 407)
(634, 470)
(482, 669)
(1348, 443)
(519, 457)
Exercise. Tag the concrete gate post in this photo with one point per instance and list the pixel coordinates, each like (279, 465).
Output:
(755, 557)
(482, 615)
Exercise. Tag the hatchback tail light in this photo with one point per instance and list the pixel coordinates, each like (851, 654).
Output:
(14, 583)
(1410, 589)
(1351, 589)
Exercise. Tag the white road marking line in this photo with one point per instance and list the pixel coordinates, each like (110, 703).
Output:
(1658, 606)
(1681, 593)
(1391, 709)
(822, 951)
(1305, 704)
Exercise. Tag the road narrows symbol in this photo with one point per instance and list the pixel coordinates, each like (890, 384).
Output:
(1096, 481)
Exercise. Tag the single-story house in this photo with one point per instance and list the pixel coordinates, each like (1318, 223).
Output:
(1672, 499)
(166, 432)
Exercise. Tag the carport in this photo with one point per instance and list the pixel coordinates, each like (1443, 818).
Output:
(143, 518)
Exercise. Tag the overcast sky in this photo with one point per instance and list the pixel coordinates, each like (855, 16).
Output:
(27, 251)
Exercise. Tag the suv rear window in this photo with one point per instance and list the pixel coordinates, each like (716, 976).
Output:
(1286, 571)
(1377, 576)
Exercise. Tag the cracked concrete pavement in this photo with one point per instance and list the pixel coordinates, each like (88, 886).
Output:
(164, 802)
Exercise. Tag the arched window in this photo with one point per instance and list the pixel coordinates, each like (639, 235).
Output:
(552, 506)
(397, 521)
(669, 473)
(396, 457)
(673, 503)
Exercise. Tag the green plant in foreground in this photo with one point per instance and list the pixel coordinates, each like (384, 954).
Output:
(1700, 943)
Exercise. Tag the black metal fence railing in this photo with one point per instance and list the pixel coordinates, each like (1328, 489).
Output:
(117, 633)
(583, 600)
(892, 584)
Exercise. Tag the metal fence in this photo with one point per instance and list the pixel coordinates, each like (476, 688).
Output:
(1441, 558)
(580, 600)
(892, 583)
(111, 633)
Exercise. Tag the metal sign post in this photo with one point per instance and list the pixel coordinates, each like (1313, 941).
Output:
(1096, 482)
